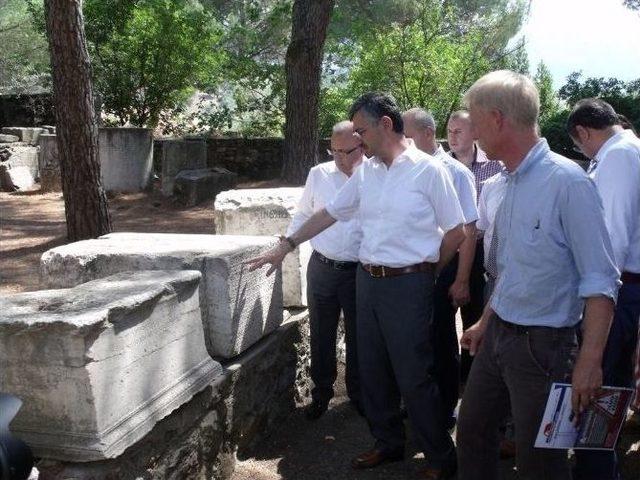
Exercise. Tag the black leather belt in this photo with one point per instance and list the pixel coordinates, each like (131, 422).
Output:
(338, 265)
(630, 277)
(380, 271)
(529, 328)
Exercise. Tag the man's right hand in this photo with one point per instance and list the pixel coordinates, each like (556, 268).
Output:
(472, 336)
(273, 256)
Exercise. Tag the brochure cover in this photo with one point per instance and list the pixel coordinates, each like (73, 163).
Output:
(599, 425)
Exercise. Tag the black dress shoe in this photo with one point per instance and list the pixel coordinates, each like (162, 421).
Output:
(376, 456)
(438, 473)
(316, 409)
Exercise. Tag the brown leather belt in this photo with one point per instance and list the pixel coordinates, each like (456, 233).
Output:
(630, 277)
(380, 271)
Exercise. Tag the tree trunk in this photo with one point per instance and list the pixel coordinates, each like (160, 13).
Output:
(303, 66)
(85, 201)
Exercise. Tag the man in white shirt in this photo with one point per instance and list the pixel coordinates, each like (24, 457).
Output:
(454, 288)
(488, 203)
(412, 225)
(331, 274)
(615, 169)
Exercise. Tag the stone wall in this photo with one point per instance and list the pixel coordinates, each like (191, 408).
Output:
(252, 158)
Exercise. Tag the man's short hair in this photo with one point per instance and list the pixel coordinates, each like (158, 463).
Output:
(460, 114)
(591, 113)
(345, 126)
(421, 118)
(513, 94)
(377, 105)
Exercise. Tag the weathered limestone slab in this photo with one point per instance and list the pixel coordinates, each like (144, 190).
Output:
(25, 134)
(238, 307)
(267, 211)
(8, 138)
(126, 158)
(178, 154)
(49, 164)
(17, 178)
(99, 364)
(203, 437)
(17, 155)
(192, 187)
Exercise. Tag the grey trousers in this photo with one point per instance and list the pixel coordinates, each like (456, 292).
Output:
(395, 352)
(515, 365)
(330, 291)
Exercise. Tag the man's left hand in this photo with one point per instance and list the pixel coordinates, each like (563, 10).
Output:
(459, 293)
(586, 380)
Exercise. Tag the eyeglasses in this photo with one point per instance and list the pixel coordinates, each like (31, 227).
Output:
(342, 153)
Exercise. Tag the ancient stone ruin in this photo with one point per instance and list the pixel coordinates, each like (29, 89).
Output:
(267, 211)
(151, 356)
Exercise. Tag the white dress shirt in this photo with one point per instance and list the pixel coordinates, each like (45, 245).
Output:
(403, 209)
(488, 203)
(341, 241)
(616, 173)
(463, 181)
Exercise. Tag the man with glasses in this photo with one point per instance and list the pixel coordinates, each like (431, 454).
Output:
(412, 225)
(595, 128)
(331, 274)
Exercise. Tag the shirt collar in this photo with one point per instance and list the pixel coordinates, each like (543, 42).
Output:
(479, 156)
(411, 153)
(606, 145)
(540, 149)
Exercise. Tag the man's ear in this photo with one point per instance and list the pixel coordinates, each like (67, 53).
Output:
(387, 123)
(582, 133)
(498, 118)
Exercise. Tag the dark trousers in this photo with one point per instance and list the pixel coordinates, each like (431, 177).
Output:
(395, 352)
(617, 371)
(330, 291)
(452, 366)
(514, 366)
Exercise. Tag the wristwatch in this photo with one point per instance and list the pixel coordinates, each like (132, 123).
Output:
(289, 240)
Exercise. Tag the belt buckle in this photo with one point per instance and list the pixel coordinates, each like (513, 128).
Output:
(381, 270)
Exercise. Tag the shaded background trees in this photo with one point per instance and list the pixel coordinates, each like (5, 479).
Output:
(218, 66)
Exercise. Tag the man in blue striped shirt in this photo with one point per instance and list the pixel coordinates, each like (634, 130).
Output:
(554, 259)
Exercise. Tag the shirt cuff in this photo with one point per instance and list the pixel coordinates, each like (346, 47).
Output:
(331, 210)
(595, 284)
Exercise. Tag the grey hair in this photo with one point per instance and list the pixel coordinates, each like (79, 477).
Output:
(460, 114)
(345, 126)
(513, 94)
(421, 118)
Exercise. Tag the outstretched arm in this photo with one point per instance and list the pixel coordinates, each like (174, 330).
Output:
(318, 222)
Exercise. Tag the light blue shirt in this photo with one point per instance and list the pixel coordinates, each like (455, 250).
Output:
(554, 249)
(464, 182)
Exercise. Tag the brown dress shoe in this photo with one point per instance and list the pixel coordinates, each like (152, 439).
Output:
(438, 473)
(376, 456)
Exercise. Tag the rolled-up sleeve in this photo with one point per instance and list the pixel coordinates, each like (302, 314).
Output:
(305, 205)
(345, 204)
(584, 227)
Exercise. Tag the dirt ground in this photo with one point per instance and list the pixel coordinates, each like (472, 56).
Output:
(32, 223)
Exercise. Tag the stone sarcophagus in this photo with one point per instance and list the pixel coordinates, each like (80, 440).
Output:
(98, 365)
(239, 307)
(267, 211)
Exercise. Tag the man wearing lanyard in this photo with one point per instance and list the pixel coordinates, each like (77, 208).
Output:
(412, 225)
(593, 126)
(331, 274)
(554, 260)
(452, 290)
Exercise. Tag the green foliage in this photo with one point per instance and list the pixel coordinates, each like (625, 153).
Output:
(427, 55)
(24, 57)
(624, 97)
(549, 104)
(149, 55)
